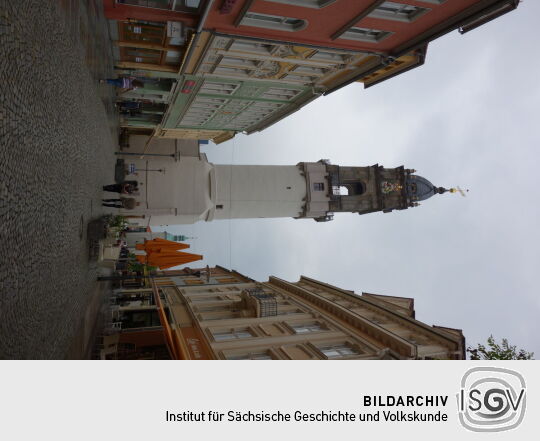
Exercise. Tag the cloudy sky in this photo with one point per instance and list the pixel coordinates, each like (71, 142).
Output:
(468, 117)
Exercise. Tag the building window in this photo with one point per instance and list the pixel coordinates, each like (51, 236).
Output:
(219, 207)
(206, 299)
(398, 11)
(318, 186)
(248, 46)
(317, 4)
(259, 355)
(211, 308)
(277, 93)
(194, 281)
(226, 279)
(148, 318)
(232, 334)
(340, 350)
(363, 34)
(220, 315)
(306, 329)
(178, 5)
(273, 22)
(218, 88)
(289, 311)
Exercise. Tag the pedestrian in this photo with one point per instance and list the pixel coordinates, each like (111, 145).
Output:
(129, 105)
(126, 203)
(130, 108)
(126, 187)
(124, 83)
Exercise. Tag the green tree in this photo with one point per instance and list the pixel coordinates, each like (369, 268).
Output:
(117, 223)
(495, 351)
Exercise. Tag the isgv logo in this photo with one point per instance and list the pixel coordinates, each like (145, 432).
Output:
(491, 399)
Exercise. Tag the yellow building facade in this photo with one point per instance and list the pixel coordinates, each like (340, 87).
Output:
(220, 314)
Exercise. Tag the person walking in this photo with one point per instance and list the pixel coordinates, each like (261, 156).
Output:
(130, 108)
(126, 203)
(126, 187)
(125, 84)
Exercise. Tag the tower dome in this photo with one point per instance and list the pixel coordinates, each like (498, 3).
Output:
(419, 188)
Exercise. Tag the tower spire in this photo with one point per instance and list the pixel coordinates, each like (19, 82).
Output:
(459, 190)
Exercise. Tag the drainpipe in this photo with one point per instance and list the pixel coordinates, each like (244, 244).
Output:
(194, 39)
(205, 15)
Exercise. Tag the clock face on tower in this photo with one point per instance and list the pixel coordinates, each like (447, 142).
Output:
(389, 187)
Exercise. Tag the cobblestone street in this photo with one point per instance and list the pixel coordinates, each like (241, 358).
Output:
(57, 138)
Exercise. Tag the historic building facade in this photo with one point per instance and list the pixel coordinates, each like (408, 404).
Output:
(216, 68)
(220, 314)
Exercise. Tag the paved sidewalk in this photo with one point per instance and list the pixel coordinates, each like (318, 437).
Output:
(57, 140)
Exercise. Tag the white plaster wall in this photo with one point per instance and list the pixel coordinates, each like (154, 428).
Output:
(179, 195)
(162, 146)
(318, 201)
(259, 191)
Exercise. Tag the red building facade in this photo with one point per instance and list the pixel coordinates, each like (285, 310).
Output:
(391, 27)
(313, 47)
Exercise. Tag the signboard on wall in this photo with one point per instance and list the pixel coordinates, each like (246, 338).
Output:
(174, 29)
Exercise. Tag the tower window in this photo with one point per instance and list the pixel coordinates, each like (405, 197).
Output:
(219, 207)
(318, 186)
(354, 188)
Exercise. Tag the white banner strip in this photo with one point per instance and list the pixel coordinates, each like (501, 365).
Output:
(269, 400)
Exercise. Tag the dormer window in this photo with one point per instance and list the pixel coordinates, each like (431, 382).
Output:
(316, 4)
(177, 5)
(275, 22)
(364, 34)
(398, 12)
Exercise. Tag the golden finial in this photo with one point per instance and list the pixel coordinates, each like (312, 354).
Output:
(458, 190)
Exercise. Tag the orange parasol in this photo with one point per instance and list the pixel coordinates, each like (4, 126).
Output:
(168, 259)
(157, 244)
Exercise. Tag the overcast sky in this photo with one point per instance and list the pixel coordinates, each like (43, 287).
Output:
(468, 117)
